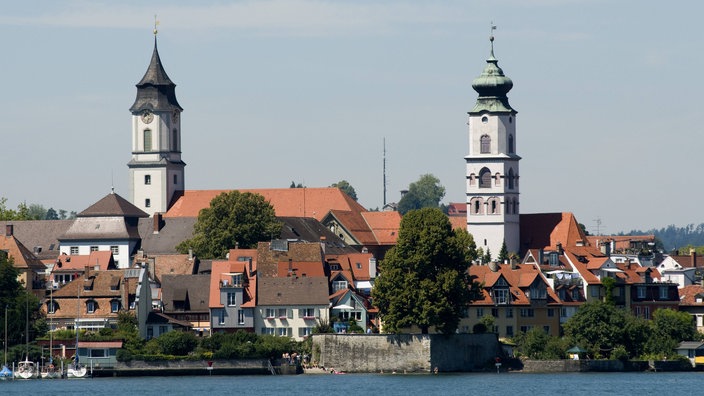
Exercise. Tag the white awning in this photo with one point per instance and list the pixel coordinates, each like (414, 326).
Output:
(342, 306)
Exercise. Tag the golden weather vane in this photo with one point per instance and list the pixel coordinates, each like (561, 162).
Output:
(156, 23)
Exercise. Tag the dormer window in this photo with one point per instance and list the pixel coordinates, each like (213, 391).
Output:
(52, 306)
(114, 306)
(91, 306)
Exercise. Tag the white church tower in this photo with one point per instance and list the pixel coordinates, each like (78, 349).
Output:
(492, 164)
(156, 168)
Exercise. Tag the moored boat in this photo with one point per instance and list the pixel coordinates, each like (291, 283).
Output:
(26, 369)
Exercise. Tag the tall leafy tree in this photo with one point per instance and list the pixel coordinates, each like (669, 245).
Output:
(667, 329)
(424, 280)
(424, 193)
(233, 218)
(346, 188)
(19, 305)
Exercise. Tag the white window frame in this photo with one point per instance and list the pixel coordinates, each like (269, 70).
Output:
(231, 299)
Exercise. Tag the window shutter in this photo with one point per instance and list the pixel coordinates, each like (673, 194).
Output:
(317, 312)
(301, 313)
(289, 313)
(290, 332)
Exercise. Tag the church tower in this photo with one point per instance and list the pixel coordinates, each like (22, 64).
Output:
(492, 164)
(156, 168)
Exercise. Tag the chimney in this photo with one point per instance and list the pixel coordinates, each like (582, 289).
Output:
(157, 222)
(86, 273)
(693, 255)
(9, 228)
(322, 243)
(372, 267)
(559, 248)
(290, 266)
(125, 292)
(190, 254)
(541, 256)
(250, 265)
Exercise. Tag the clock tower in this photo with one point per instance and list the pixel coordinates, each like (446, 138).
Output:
(492, 164)
(156, 169)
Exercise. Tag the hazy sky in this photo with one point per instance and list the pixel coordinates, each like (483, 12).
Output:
(608, 95)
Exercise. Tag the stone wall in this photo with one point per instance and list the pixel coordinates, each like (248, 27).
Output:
(411, 353)
(567, 365)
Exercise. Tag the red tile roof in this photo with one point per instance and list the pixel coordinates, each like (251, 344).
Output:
(287, 202)
(546, 230)
(689, 295)
(222, 267)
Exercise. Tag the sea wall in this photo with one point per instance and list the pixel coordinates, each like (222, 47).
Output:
(410, 353)
(568, 365)
(184, 367)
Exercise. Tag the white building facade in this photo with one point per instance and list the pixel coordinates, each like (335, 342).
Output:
(156, 169)
(492, 164)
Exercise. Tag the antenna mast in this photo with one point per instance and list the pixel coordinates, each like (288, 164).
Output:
(384, 167)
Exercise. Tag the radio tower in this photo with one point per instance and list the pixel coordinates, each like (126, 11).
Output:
(384, 167)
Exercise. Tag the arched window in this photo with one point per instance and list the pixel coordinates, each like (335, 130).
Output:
(508, 205)
(147, 140)
(510, 179)
(484, 178)
(472, 179)
(493, 206)
(497, 177)
(515, 204)
(476, 206)
(485, 147)
(510, 144)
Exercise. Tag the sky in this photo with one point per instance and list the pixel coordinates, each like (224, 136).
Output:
(273, 91)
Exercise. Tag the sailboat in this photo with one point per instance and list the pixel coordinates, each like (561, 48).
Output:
(5, 372)
(76, 369)
(26, 369)
(49, 371)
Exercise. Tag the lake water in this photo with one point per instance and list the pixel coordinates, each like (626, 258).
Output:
(371, 384)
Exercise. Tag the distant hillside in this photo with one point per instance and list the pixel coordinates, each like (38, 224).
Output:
(673, 237)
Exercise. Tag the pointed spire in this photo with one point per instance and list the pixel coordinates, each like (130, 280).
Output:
(155, 91)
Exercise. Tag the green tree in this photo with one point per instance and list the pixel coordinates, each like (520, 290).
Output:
(669, 328)
(346, 188)
(233, 218)
(178, 343)
(5, 213)
(294, 185)
(424, 193)
(424, 280)
(51, 214)
(503, 253)
(36, 212)
(599, 327)
(19, 305)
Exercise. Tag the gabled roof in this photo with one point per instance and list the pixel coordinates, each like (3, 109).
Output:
(355, 266)
(40, 236)
(193, 288)
(23, 258)
(308, 229)
(219, 272)
(384, 226)
(69, 263)
(301, 269)
(113, 205)
(163, 239)
(546, 230)
(269, 255)
(293, 291)
(690, 294)
(287, 202)
(519, 279)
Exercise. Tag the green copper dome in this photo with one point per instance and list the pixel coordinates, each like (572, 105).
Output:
(492, 86)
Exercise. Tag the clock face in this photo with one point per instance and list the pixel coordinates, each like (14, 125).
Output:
(147, 116)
